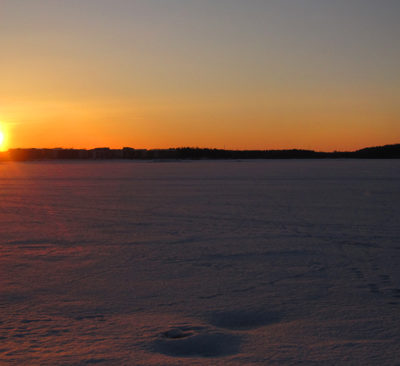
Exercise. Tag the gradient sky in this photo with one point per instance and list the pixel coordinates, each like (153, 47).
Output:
(318, 74)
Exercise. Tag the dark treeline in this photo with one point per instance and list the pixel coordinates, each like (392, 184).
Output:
(379, 152)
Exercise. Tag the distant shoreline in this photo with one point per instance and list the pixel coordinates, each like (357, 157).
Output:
(191, 153)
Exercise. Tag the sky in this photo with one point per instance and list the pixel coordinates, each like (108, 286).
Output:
(237, 74)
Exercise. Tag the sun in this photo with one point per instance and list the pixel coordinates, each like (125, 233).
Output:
(1, 139)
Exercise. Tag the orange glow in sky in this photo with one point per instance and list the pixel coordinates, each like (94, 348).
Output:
(229, 74)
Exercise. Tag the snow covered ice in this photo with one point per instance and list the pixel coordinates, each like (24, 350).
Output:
(200, 263)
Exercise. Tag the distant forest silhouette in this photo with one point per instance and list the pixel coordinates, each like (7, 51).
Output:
(194, 153)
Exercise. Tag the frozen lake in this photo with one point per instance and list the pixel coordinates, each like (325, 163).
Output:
(200, 263)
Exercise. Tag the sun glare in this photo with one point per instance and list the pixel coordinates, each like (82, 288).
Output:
(1, 139)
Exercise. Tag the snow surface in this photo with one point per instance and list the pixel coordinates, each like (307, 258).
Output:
(200, 263)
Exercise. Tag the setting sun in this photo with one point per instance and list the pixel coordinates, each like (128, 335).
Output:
(206, 182)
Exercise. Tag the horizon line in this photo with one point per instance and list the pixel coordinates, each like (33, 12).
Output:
(197, 148)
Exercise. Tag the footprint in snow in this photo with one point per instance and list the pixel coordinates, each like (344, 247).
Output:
(196, 342)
